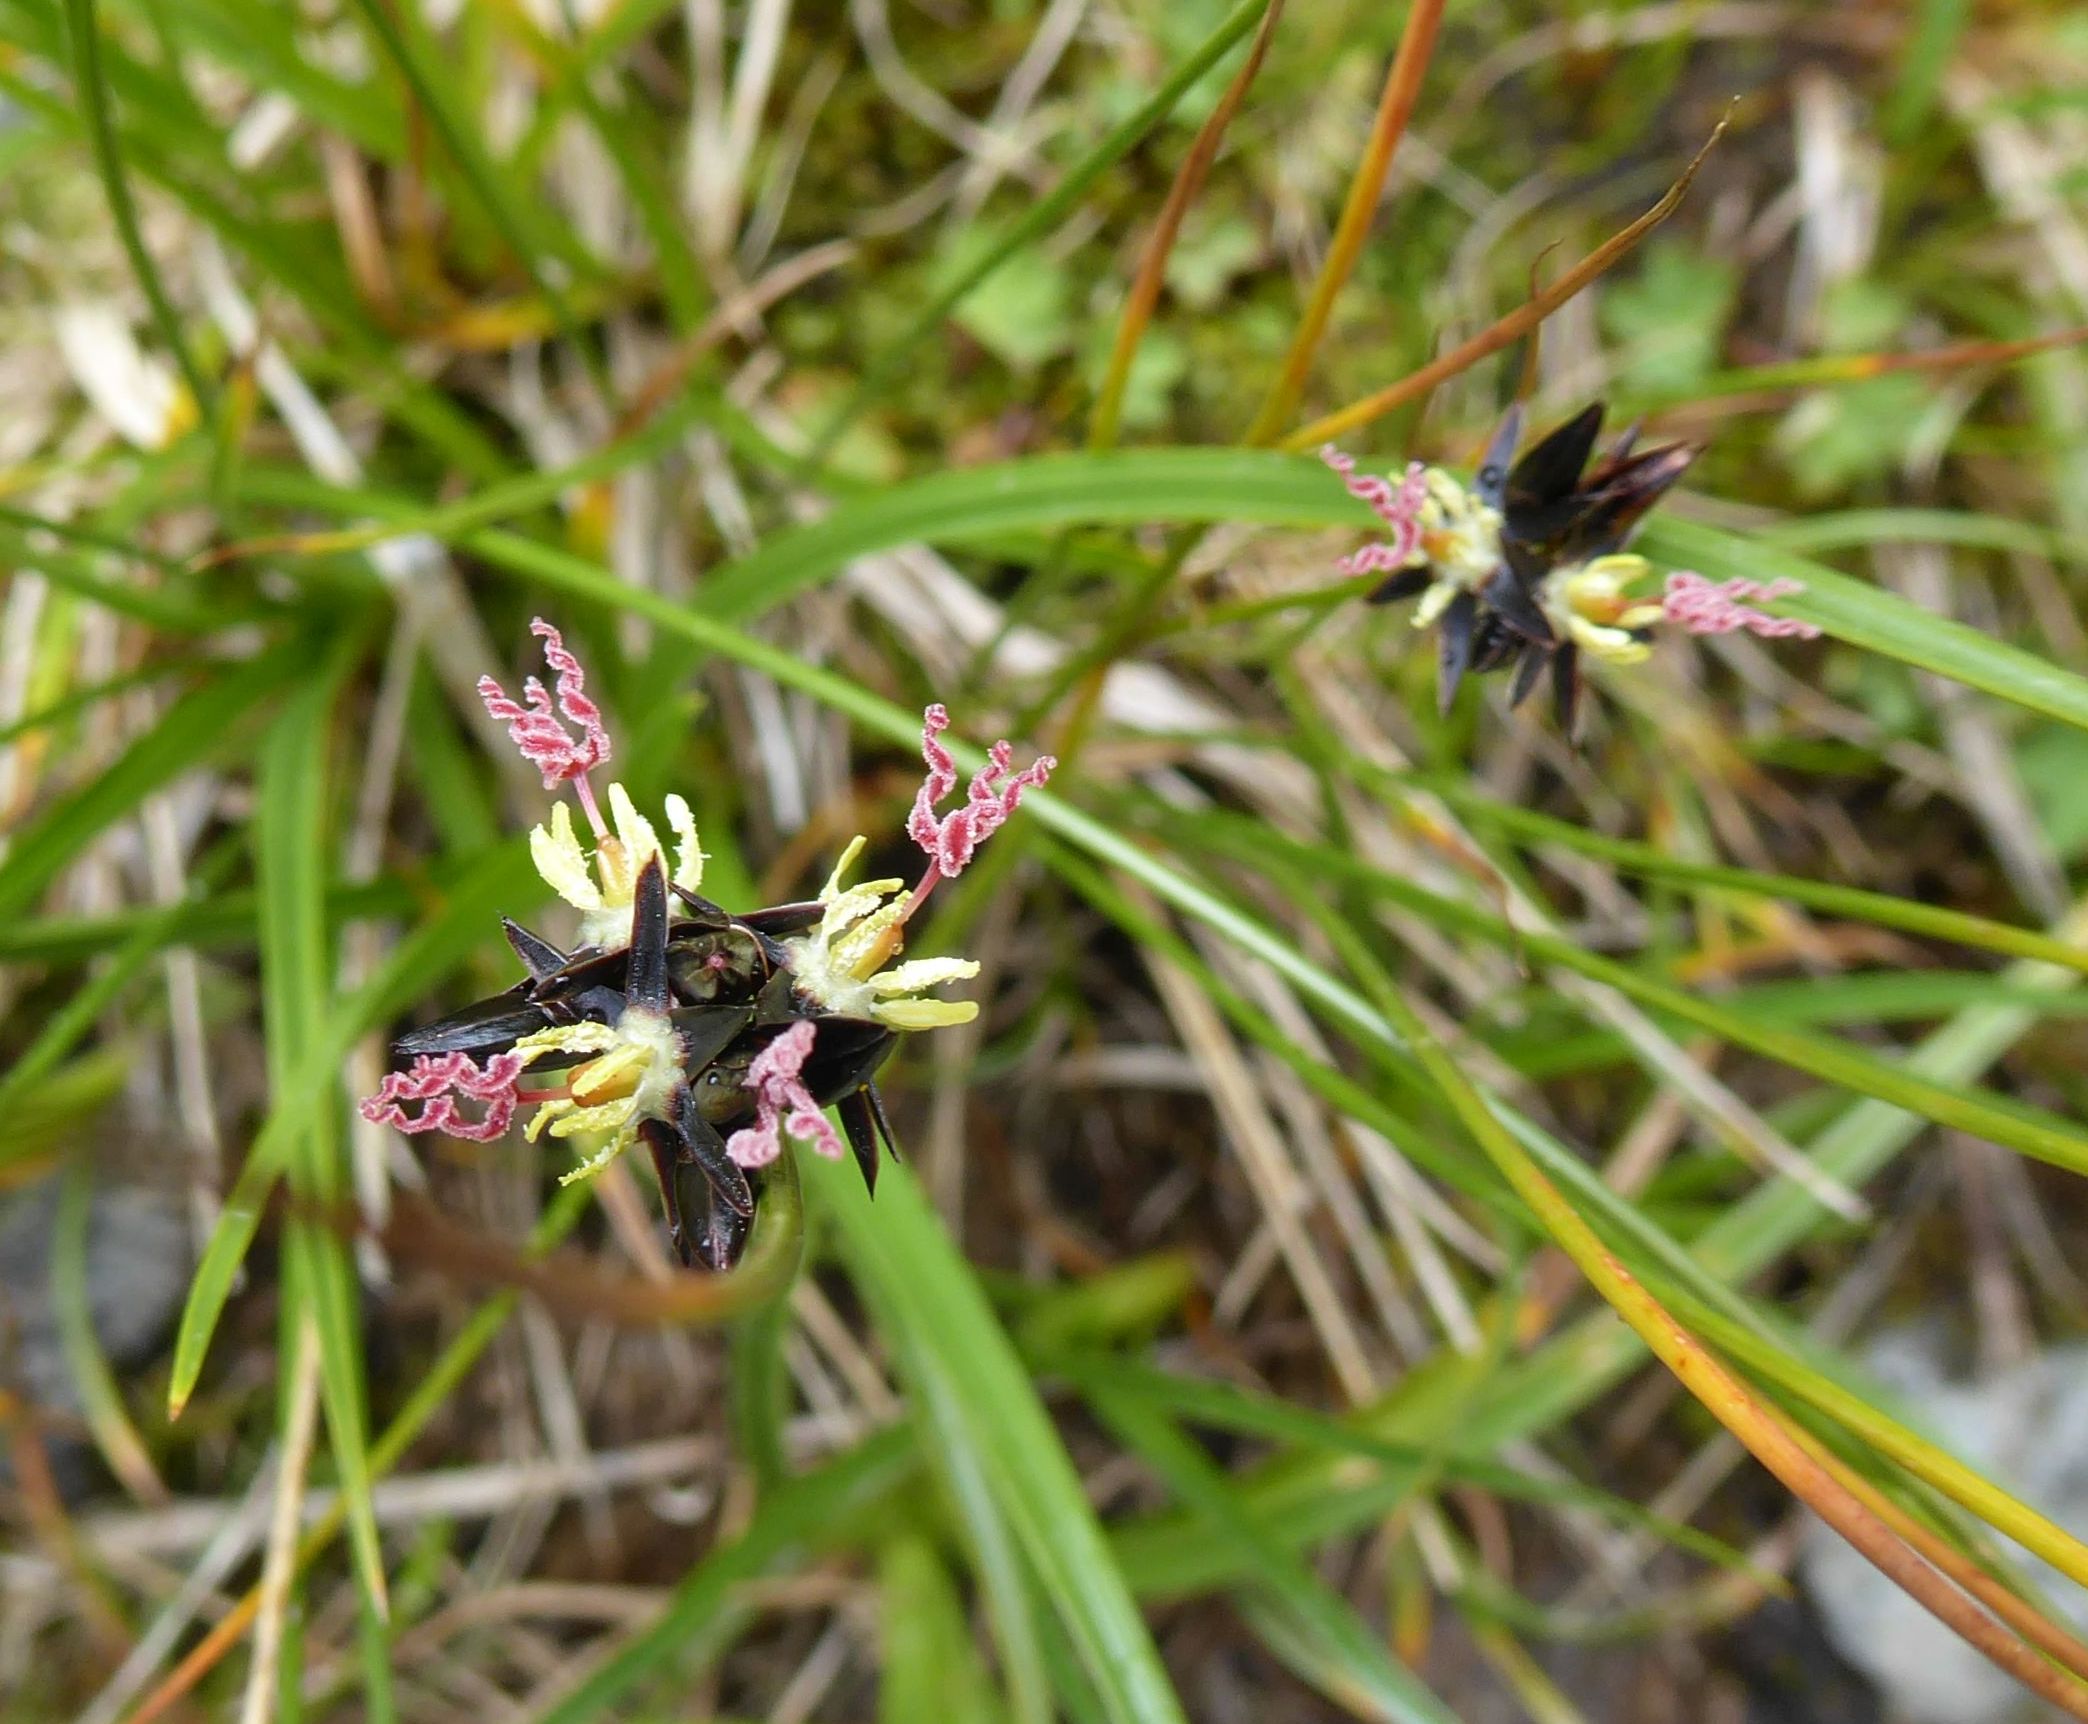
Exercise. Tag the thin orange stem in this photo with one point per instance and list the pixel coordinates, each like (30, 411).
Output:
(1152, 262)
(1498, 335)
(2032, 1624)
(1395, 108)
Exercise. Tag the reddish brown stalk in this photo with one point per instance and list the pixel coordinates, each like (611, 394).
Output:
(1498, 335)
(2032, 1624)
(1958, 356)
(43, 1507)
(1395, 107)
(567, 1281)
(1152, 262)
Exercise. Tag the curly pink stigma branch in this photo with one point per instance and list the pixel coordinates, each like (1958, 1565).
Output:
(783, 1103)
(950, 839)
(1438, 528)
(1399, 507)
(1705, 607)
(841, 963)
(601, 892)
(431, 1080)
(534, 727)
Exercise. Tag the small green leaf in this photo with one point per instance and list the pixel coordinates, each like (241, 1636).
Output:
(1669, 317)
(1022, 316)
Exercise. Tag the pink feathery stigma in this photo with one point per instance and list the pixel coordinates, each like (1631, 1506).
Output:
(1399, 507)
(783, 1103)
(544, 742)
(431, 1080)
(1718, 607)
(992, 796)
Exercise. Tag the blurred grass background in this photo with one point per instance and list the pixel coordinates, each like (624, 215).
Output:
(1203, 1361)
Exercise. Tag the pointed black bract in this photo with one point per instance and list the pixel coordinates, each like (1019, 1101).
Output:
(1566, 686)
(1404, 584)
(539, 957)
(1541, 485)
(1460, 619)
(1617, 495)
(1494, 644)
(645, 974)
(1492, 479)
(1515, 605)
(861, 1127)
(1527, 673)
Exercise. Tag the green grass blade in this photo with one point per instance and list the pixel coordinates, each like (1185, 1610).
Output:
(1011, 1603)
(1877, 619)
(1339, 1654)
(1202, 485)
(290, 836)
(960, 505)
(928, 1667)
(91, 90)
(196, 728)
(1036, 221)
(972, 1389)
(458, 927)
(710, 1607)
(2032, 1131)
(401, 39)
(101, 1400)
(1227, 1407)
(1782, 1362)
(63, 1030)
(1650, 863)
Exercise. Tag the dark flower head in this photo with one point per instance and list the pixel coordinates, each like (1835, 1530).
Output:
(1526, 569)
(677, 1022)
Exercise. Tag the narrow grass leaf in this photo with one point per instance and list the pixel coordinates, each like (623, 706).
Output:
(711, 1606)
(197, 728)
(1336, 1652)
(973, 1390)
(458, 927)
(290, 836)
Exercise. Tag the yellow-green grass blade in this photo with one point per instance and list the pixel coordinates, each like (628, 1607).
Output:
(712, 1605)
(101, 1400)
(1036, 221)
(963, 505)
(928, 1666)
(1879, 908)
(2033, 1132)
